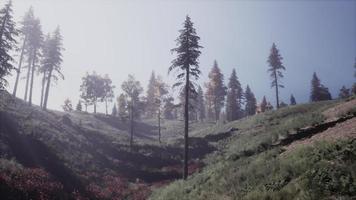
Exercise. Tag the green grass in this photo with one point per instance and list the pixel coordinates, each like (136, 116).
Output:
(243, 168)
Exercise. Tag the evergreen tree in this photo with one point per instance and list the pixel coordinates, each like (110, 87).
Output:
(79, 106)
(150, 98)
(292, 100)
(275, 69)
(216, 89)
(353, 90)
(187, 65)
(282, 105)
(318, 91)
(8, 33)
(160, 94)
(344, 93)
(269, 106)
(250, 106)
(52, 59)
(25, 30)
(114, 111)
(133, 89)
(263, 105)
(200, 104)
(234, 98)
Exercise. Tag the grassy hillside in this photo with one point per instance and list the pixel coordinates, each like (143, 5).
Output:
(76, 155)
(256, 162)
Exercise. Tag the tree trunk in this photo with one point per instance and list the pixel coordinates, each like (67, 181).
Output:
(106, 106)
(19, 67)
(95, 107)
(28, 76)
(131, 124)
(159, 126)
(32, 77)
(47, 90)
(42, 88)
(277, 99)
(186, 125)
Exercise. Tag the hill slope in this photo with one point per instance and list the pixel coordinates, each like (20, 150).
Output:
(299, 152)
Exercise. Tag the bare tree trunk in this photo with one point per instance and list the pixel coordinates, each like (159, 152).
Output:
(32, 76)
(47, 90)
(106, 106)
(277, 99)
(28, 76)
(159, 125)
(186, 125)
(131, 124)
(95, 107)
(19, 67)
(42, 89)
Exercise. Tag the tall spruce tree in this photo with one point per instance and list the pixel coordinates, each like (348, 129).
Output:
(275, 70)
(318, 91)
(292, 100)
(250, 106)
(52, 60)
(217, 90)
(263, 105)
(25, 30)
(200, 104)
(8, 33)
(150, 96)
(234, 98)
(344, 92)
(187, 65)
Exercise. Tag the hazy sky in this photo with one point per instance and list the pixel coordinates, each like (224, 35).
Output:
(135, 37)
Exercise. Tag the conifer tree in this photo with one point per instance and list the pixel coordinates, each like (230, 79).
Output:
(168, 108)
(26, 26)
(282, 104)
(8, 33)
(160, 94)
(52, 59)
(79, 106)
(318, 91)
(275, 69)
(187, 65)
(200, 104)
(114, 111)
(263, 104)
(234, 98)
(150, 98)
(292, 100)
(217, 90)
(344, 93)
(250, 106)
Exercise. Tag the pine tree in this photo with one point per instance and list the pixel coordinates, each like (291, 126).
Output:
(250, 106)
(114, 111)
(8, 33)
(344, 93)
(150, 98)
(200, 104)
(52, 59)
(263, 105)
(79, 106)
(187, 65)
(168, 108)
(26, 27)
(133, 89)
(234, 98)
(160, 94)
(292, 100)
(275, 69)
(318, 91)
(217, 90)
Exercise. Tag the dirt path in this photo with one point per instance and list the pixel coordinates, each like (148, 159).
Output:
(345, 130)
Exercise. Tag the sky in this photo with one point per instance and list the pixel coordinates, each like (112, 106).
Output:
(135, 37)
